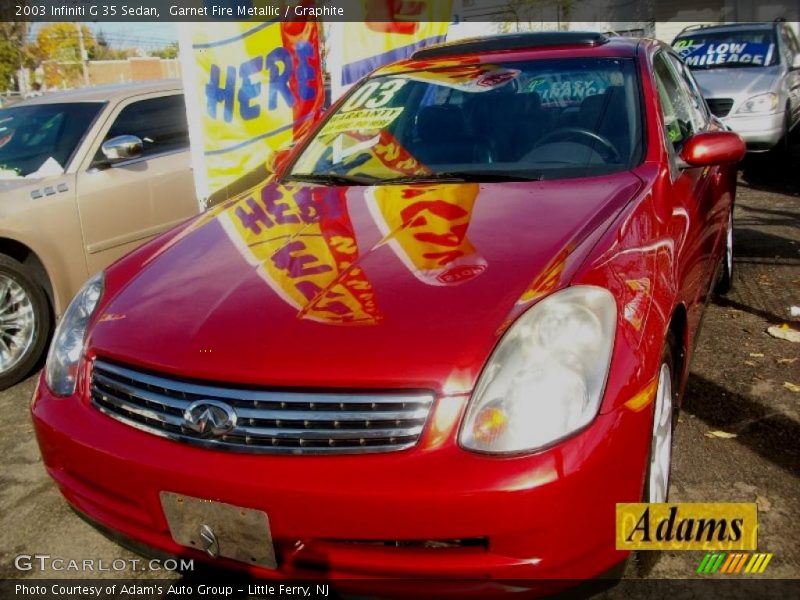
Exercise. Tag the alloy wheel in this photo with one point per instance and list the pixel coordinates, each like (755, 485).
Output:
(729, 245)
(16, 323)
(661, 451)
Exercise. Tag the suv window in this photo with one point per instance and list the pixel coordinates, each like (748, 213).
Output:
(159, 122)
(681, 118)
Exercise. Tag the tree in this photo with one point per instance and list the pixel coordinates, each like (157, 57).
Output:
(58, 48)
(517, 12)
(13, 52)
(104, 51)
(170, 51)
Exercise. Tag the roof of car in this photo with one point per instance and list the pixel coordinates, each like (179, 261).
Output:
(513, 41)
(726, 27)
(105, 93)
(523, 46)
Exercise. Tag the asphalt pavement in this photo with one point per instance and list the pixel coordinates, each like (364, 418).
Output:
(738, 437)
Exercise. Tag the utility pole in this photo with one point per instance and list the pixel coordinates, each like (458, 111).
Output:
(84, 56)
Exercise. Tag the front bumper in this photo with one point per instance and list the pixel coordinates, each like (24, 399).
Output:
(760, 132)
(544, 515)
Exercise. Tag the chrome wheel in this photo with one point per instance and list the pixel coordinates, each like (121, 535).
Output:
(729, 245)
(16, 323)
(661, 450)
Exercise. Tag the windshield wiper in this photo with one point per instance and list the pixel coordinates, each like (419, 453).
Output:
(464, 177)
(332, 178)
(445, 177)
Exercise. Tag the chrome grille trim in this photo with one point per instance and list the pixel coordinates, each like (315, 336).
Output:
(266, 421)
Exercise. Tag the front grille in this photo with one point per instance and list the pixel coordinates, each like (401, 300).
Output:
(265, 421)
(720, 107)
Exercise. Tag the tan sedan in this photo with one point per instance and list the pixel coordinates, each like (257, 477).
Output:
(85, 177)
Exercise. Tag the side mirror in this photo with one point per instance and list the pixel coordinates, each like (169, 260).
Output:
(122, 147)
(712, 148)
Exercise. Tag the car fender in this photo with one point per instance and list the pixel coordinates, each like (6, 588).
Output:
(43, 217)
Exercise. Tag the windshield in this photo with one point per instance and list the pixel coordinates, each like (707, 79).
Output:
(544, 119)
(716, 50)
(39, 139)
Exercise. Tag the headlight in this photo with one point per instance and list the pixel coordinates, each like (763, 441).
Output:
(546, 377)
(66, 351)
(760, 104)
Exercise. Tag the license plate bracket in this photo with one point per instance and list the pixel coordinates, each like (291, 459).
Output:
(220, 529)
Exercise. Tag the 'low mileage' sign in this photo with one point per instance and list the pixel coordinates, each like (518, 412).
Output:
(708, 54)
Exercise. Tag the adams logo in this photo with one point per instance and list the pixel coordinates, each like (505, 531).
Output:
(688, 526)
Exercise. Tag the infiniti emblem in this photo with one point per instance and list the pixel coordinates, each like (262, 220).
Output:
(209, 418)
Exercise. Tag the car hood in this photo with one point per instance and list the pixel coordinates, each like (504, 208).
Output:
(15, 183)
(17, 193)
(330, 287)
(736, 83)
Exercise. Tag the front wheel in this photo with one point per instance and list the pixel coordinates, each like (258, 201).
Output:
(659, 465)
(725, 281)
(658, 470)
(25, 322)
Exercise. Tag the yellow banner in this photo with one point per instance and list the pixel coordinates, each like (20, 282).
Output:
(687, 526)
(384, 32)
(251, 88)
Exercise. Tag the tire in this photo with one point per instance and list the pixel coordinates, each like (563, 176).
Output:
(665, 416)
(725, 280)
(786, 142)
(25, 322)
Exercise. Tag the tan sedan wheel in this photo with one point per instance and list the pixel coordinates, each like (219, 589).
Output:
(25, 322)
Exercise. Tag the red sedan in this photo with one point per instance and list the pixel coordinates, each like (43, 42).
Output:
(444, 339)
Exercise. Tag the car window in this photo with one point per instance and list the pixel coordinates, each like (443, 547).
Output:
(159, 122)
(676, 106)
(42, 137)
(697, 104)
(703, 49)
(547, 119)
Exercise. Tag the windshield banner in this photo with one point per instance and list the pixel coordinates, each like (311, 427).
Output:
(699, 53)
(467, 78)
(251, 88)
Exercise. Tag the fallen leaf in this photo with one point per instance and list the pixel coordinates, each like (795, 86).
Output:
(750, 363)
(786, 361)
(763, 504)
(756, 355)
(784, 332)
(720, 434)
(792, 387)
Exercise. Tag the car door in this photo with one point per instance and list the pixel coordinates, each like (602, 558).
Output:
(699, 209)
(123, 204)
